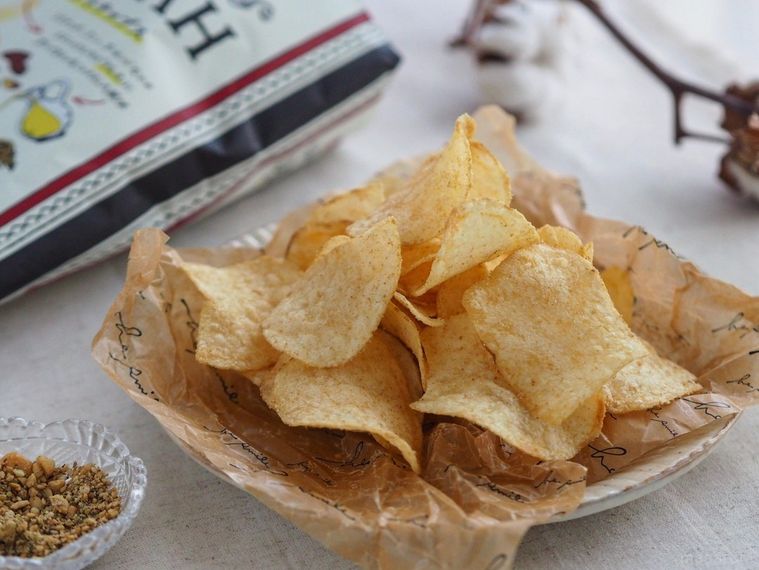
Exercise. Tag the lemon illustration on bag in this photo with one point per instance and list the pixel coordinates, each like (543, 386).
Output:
(48, 114)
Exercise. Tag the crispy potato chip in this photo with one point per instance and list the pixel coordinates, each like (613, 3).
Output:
(557, 236)
(648, 382)
(309, 240)
(493, 263)
(556, 336)
(500, 138)
(619, 286)
(464, 382)
(334, 309)
(330, 219)
(450, 292)
(332, 243)
(408, 363)
(416, 255)
(349, 206)
(414, 279)
(366, 394)
(587, 251)
(422, 209)
(405, 328)
(258, 377)
(395, 177)
(489, 179)
(286, 228)
(238, 299)
(422, 313)
(477, 231)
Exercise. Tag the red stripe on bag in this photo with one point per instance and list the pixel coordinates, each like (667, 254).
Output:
(176, 118)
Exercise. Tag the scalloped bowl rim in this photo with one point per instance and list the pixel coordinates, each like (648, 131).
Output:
(119, 525)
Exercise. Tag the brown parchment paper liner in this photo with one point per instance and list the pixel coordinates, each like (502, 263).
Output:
(477, 496)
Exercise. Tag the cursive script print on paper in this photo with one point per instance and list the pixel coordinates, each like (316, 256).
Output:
(659, 244)
(738, 323)
(329, 502)
(123, 359)
(601, 454)
(745, 380)
(709, 408)
(355, 460)
(665, 423)
(305, 467)
(192, 325)
(234, 441)
(511, 495)
(230, 392)
(550, 478)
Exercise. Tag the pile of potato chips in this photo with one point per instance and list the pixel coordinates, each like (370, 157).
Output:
(424, 292)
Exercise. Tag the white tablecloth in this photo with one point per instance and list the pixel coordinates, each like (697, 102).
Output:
(613, 132)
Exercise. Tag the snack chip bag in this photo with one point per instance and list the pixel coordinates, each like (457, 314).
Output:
(121, 115)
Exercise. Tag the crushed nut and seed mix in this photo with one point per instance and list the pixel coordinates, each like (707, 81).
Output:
(43, 507)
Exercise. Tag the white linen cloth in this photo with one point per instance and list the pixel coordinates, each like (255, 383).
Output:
(613, 132)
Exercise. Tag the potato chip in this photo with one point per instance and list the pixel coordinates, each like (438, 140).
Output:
(300, 234)
(407, 361)
(477, 231)
(286, 228)
(238, 299)
(332, 243)
(619, 286)
(587, 251)
(414, 279)
(405, 328)
(464, 382)
(422, 209)
(493, 263)
(499, 137)
(558, 236)
(416, 255)
(395, 177)
(309, 240)
(489, 179)
(258, 377)
(349, 206)
(450, 292)
(422, 313)
(556, 336)
(648, 382)
(334, 309)
(366, 394)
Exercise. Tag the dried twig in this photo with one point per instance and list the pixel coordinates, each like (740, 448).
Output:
(481, 12)
(677, 87)
(474, 21)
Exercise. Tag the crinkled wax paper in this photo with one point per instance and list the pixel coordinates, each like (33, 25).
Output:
(477, 496)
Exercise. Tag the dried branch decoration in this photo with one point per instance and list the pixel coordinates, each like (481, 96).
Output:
(740, 166)
(676, 86)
